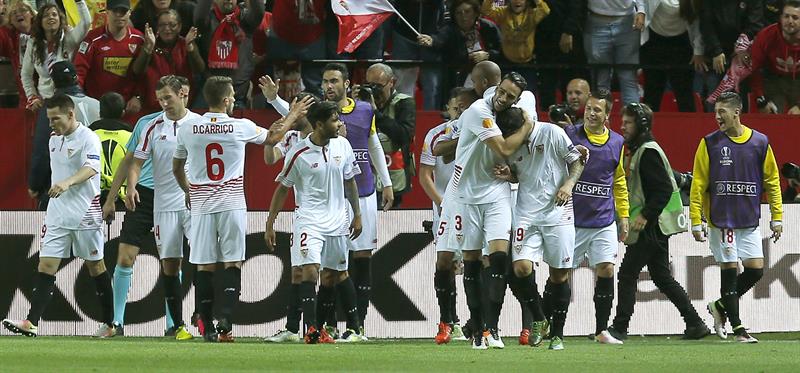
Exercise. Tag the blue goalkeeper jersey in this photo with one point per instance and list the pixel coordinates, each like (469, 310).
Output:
(146, 176)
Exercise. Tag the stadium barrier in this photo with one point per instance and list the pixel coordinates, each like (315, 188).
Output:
(403, 300)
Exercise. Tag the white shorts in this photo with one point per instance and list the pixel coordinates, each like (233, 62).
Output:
(471, 227)
(218, 237)
(169, 228)
(311, 247)
(730, 245)
(58, 242)
(368, 240)
(554, 244)
(598, 244)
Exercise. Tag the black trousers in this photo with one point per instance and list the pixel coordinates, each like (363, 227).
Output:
(668, 50)
(651, 250)
(553, 79)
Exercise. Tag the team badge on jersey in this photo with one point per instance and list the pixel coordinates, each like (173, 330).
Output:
(487, 123)
(460, 238)
(132, 47)
(540, 148)
(304, 252)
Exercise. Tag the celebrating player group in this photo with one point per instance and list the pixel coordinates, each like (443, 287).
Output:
(508, 191)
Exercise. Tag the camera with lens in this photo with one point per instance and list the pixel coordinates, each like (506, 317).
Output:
(427, 226)
(790, 171)
(366, 91)
(684, 182)
(559, 113)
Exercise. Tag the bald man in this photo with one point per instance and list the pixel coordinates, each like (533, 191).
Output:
(577, 94)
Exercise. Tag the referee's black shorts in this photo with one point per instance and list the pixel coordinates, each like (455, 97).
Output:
(138, 224)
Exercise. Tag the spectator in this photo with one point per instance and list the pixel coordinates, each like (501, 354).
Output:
(559, 41)
(148, 11)
(721, 23)
(467, 39)
(226, 40)
(395, 119)
(578, 92)
(13, 40)
(107, 53)
(285, 43)
(371, 48)
(167, 54)
(113, 134)
(772, 11)
(613, 30)
(429, 16)
(777, 50)
(671, 37)
(51, 41)
(517, 21)
(65, 79)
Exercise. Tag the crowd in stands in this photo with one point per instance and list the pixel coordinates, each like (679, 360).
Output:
(639, 48)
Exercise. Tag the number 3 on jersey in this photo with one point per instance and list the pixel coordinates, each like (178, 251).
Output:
(443, 224)
(211, 162)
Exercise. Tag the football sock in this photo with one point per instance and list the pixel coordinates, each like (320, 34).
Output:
(232, 284)
(363, 283)
(326, 306)
(105, 294)
(497, 276)
(730, 299)
(122, 284)
(603, 299)
(527, 316)
(453, 297)
(205, 296)
(346, 292)
(308, 300)
(487, 308)
(472, 289)
(547, 300)
(562, 294)
(747, 279)
(43, 286)
(293, 309)
(525, 291)
(174, 299)
(169, 322)
(441, 284)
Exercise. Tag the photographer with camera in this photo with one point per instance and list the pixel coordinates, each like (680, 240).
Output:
(792, 174)
(395, 119)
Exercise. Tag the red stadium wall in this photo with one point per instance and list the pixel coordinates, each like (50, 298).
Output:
(678, 134)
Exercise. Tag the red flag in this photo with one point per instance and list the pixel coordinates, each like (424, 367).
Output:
(358, 19)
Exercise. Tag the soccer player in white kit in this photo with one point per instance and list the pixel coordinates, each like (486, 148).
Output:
(321, 169)
(171, 221)
(477, 206)
(547, 168)
(209, 167)
(73, 223)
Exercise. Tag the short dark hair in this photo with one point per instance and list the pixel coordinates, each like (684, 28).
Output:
(184, 80)
(112, 105)
(305, 94)
(790, 3)
(321, 111)
(510, 121)
(641, 113)
(60, 101)
(169, 81)
(474, 4)
(469, 93)
(340, 67)
(215, 89)
(731, 99)
(602, 94)
(517, 79)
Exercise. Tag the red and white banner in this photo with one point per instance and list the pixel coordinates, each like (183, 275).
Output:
(358, 19)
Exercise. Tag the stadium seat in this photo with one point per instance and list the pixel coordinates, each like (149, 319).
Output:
(668, 102)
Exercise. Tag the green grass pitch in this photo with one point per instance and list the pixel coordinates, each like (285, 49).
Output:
(778, 352)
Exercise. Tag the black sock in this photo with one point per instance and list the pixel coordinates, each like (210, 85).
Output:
(232, 283)
(453, 297)
(346, 293)
(526, 292)
(308, 300)
(363, 284)
(174, 298)
(472, 288)
(497, 276)
(205, 298)
(730, 299)
(747, 279)
(603, 299)
(441, 284)
(547, 300)
(487, 306)
(562, 294)
(527, 316)
(293, 309)
(326, 305)
(105, 294)
(43, 286)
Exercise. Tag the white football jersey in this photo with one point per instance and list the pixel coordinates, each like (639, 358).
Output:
(213, 146)
(158, 144)
(290, 138)
(317, 174)
(441, 171)
(79, 206)
(542, 167)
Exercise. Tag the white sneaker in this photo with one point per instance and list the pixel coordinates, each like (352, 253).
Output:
(494, 340)
(283, 336)
(479, 343)
(362, 334)
(745, 337)
(105, 331)
(23, 327)
(719, 320)
(606, 338)
(349, 336)
(457, 334)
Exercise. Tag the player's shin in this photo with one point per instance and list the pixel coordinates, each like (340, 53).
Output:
(121, 286)
(326, 306)
(205, 296)
(603, 299)
(472, 289)
(346, 292)
(42, 293)
(232, 284)
(441, 284)
(105, 295)
(562, 293)
(294, 309)
(363, 284)
(547, 300)
(730, 299)
(308, 300)
(174, 298)
(747, 279)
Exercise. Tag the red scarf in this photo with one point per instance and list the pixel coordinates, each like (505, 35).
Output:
(223, 52)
